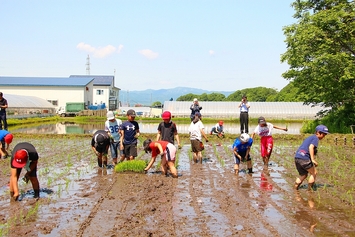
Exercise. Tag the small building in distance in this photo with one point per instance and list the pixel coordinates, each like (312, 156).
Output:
(57, 90)
(28, 106)
(104, 91)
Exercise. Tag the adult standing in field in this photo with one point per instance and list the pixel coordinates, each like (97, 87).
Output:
(113, 129)
(5, 138)
(305, 158)
(244, 115)
(195, 108)
(129, 136)
(166, 150)
(264, 130)
(25, 156)
(241, 150)
(196, 131)
(3, 107)
(167, 130)
(100, 143)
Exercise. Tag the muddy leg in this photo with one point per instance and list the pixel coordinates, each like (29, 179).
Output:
(172, 169)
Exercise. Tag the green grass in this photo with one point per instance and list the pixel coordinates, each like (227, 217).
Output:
(133, 165)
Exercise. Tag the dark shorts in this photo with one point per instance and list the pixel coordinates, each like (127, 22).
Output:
(18, 170)
(130, 150)
(196, 146)
(303, 165)
(242, 154)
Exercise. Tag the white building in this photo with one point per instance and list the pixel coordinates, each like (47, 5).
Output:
(90, 90)
(104, 91)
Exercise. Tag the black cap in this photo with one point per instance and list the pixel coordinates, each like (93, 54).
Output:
(131, 112)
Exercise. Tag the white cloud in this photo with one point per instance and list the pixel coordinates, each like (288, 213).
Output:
(148, 53)
(100, 52)
(211, 52)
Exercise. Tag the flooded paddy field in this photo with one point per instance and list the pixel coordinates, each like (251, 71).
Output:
(208, 199)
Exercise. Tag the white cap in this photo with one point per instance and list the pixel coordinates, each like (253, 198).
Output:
(195, 100)
(244, 137)
(110, 115)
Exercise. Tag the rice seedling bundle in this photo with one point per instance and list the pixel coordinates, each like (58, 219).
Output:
(133, 165)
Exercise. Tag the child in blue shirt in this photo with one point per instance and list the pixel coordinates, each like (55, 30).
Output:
(305, 157)
(241, 151)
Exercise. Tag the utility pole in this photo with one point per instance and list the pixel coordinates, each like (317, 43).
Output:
(88, 65)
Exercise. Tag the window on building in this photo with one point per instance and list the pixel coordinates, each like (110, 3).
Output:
(99, 92)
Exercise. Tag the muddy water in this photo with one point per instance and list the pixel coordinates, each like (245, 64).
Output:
(206, 200)
(72, 128)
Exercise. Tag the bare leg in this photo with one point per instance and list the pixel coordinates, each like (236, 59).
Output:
(14, 183)
(199, 155)
(173, 170)
(163, 165)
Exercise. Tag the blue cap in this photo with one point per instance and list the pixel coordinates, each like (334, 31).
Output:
(322, 128)
(198, 114)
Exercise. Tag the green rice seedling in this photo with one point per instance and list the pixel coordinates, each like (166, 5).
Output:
(177, 159)
(59, 192)
(32, 212)
(133, 165)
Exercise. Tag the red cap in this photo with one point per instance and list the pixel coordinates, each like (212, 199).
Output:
(20, 158)
(220, 122)
(166, 115)
(8, 138)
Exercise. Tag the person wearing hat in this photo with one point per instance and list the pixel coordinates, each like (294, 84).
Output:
(305, 157)
(167, 130)
(24, 155)
(5, 138)
(195, 107)
(264, 130)
(113, 129)
(241, 150)
(166, 150)
(100, 143)
(129, 136)
(218, 129)
(244, 116)
(3, 107)
(196, 131)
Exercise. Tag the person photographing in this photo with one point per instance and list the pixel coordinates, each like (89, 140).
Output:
(244, 116)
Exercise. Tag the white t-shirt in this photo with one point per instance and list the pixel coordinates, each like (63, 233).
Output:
(264, 131)
(113, 128)
(195, 130)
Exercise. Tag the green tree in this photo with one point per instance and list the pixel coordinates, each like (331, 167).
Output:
(321, 54)
(157, 104)
(287, 94)
(258, 94)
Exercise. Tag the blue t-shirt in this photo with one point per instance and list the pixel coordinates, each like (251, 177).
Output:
(240, 146)
(129, 129)
(303, 150)
(3, 133)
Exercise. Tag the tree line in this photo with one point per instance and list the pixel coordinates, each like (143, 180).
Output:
(320, 52)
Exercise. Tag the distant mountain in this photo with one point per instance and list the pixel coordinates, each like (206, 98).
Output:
(147, 97)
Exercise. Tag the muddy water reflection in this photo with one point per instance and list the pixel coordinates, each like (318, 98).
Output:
(72, 128)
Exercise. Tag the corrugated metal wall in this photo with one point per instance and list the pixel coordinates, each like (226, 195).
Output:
(289, 110)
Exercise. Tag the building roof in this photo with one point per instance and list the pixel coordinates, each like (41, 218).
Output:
(45, 81)
(99, 80)
(22, 101)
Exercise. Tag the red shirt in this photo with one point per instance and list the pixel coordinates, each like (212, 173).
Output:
(155, 150)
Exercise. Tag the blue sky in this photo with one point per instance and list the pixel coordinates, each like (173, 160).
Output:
(213, 45)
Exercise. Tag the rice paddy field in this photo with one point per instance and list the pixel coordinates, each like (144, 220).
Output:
(80, 199)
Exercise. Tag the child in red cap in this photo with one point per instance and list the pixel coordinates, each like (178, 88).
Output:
(167, 130)
(25, 156)
(5, 137)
